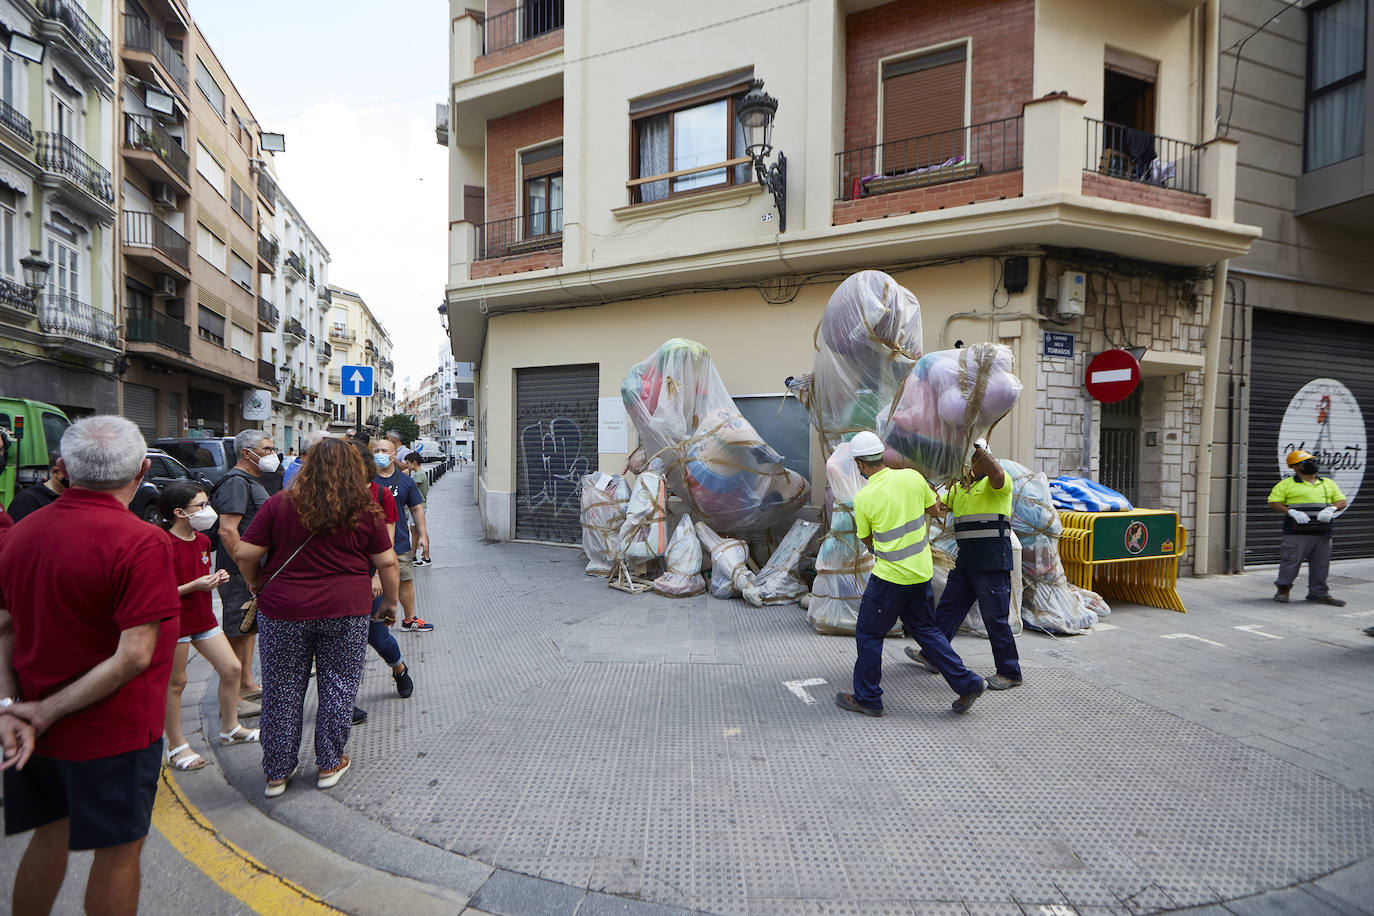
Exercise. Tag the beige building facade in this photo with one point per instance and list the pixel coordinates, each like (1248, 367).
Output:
(358, 338)
(602, 202)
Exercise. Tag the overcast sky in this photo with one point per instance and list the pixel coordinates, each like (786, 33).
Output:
(353, 86)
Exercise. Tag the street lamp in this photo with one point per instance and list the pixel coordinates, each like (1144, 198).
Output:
(35, 272)
(443, 315)
(755, 113)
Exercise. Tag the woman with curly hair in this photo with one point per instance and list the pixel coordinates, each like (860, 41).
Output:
(307, 556)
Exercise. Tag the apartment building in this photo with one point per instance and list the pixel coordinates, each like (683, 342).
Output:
(358, 338)
(1299, 311)
(195, 187)
(58, 328)
(296, 346)
(986, 153)
(453, 397)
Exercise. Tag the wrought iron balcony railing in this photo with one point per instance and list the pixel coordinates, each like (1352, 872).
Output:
(1118, 151)
(82, 28)
(938, 158)
(267, 373)
(268, 314)
(294, 262)
(295, 328)
(139, 35)
(526, 20)
(59, 154)
(16, 123)
(68, 316)
(143, 133)
(519, 235)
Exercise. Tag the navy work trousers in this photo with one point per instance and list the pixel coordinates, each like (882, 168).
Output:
(992, 591)
(882, 605)
(380, 639)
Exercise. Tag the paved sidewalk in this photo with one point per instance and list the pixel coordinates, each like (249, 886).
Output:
(570, 748)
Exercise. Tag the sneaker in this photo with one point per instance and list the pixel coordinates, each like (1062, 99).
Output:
(404, 685)
(847, 701)
(920, 659)
(359, 715)
(330, 778)
(965, 700)
(1368, 631)
(1326, 599)
(998, 682)
(417, 625)
(422, 561)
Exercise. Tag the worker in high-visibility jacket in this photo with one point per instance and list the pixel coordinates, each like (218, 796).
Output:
(890, 515)
(982, 568)
(1309, 504)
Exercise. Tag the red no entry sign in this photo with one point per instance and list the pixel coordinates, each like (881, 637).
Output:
(1112, 375)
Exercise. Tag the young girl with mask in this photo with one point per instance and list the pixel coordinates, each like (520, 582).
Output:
(185, 510)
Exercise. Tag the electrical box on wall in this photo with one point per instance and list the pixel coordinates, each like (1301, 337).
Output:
(1072, 295)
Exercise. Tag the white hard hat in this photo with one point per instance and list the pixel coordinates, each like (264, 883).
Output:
(866, 445)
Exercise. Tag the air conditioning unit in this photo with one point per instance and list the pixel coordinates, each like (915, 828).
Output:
(165, 285)
(164, 196)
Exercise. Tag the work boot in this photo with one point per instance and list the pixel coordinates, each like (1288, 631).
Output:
(849, 702)
(965, 700)
(998, 682)
(1326, 599)
(1281, 595)
(921, 660)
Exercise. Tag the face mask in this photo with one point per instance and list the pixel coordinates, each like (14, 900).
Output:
(382, 460)
(1308, 467)
(269, 463)
(203, 518)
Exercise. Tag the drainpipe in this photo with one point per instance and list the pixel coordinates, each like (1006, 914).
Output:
(1207, 434)
(1211, 64)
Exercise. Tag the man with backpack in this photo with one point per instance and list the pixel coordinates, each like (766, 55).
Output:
(237, 498)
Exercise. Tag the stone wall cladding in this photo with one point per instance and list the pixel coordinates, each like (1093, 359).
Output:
(1134, 192)
(505, 137)
(1154, 315)
(935, 197)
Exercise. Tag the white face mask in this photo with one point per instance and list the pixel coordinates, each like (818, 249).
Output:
(269, 463)
(203, 518)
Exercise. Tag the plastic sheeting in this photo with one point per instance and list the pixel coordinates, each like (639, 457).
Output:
(1080, 494)
(682, 578)
(780, 581)
(604, 497)
(950, 399)
(730, 573)
(643, 534)
(867, 342)
(713, 458)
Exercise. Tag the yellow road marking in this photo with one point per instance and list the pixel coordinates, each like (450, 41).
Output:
(227, 865)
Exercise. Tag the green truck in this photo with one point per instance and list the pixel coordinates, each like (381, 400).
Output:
(31, 430)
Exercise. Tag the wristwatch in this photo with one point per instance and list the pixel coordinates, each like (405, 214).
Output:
(7, 702)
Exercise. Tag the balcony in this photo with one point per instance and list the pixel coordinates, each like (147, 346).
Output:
(335, 380)
(15, 123)
(267, 187)
(267, 374)
(151, 327)
(295, 395)
(324, 294)
(68, 25)
(325, 353)
(295, 329)
(156, 153)
(519, 235)
(268, 316)
(147, 47)
(293, 261)
(990, 148)
(525, 22)
(268, 249)
(1129, 155)
(441, 123)
(15, 301)
(148, 239)
(77, 327)
(342, 333)
(75, 176)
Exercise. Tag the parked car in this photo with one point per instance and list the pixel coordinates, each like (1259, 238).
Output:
(32, 430)
(209, 458)
(162, 470)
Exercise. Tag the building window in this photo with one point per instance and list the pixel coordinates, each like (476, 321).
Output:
(542, 170)
(211, 326)
(11, 85)
(1335, 82)
(240, 272)
(210, 169)
(690, 131)
(211, 248)
(240, 201)
(209, 88)
(8, 210)
(922, 101)
(64, 253)
(242, 341)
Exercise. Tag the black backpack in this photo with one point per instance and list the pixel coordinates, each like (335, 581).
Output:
(213, 533)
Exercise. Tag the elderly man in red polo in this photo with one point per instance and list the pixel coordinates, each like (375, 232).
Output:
(86, 641)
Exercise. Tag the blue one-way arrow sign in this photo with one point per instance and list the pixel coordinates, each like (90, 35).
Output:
(357, 381)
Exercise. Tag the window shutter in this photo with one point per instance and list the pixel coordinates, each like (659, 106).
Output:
(474, 204)
(920, 104)
(546, 160)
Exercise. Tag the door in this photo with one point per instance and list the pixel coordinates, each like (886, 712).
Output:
(64, 279)
(555, 445)
(1312, 388)
(1119, 447)
(140, 406)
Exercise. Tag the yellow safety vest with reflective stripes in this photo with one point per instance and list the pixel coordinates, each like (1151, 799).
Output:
(892, 507)
(982, 525)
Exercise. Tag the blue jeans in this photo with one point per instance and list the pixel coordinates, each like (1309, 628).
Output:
(883, 603)
(992, 591)
(379, 637)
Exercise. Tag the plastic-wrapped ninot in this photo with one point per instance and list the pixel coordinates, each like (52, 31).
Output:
(730, 572)
(682, 578)
(868, 339)
(713, 458)
(779, 581)
(643, 534)
(950, 399)
(604, 497)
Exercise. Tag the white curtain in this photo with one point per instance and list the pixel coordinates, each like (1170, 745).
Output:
(653, 155)
(1335, 119)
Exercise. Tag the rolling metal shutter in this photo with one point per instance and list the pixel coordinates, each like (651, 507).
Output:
(140, 406)
(1288, 352)
(923, 97)
(556, 433)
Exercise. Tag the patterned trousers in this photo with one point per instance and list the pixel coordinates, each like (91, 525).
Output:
(338, 646)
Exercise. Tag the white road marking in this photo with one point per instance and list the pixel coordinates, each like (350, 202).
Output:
(1057, 909)
(1255, 628)
(1359, 614)
(1097, 627)
(1191, 636)
(799, 688)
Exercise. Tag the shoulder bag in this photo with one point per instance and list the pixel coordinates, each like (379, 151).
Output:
(250, 607)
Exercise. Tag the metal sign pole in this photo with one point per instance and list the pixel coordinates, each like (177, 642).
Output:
(360, 415)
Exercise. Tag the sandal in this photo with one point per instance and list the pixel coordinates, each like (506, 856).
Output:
(276, 787)
(250, 694)
(176, 758)
(240, 735)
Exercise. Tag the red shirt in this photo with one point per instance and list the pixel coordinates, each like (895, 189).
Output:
(73, 577)
(328, 578)
(384, 499)
(191, 560)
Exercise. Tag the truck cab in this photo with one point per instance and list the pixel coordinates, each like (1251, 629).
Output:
(33, 429)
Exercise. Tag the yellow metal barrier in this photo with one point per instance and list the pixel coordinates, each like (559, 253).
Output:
(1132, 556)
